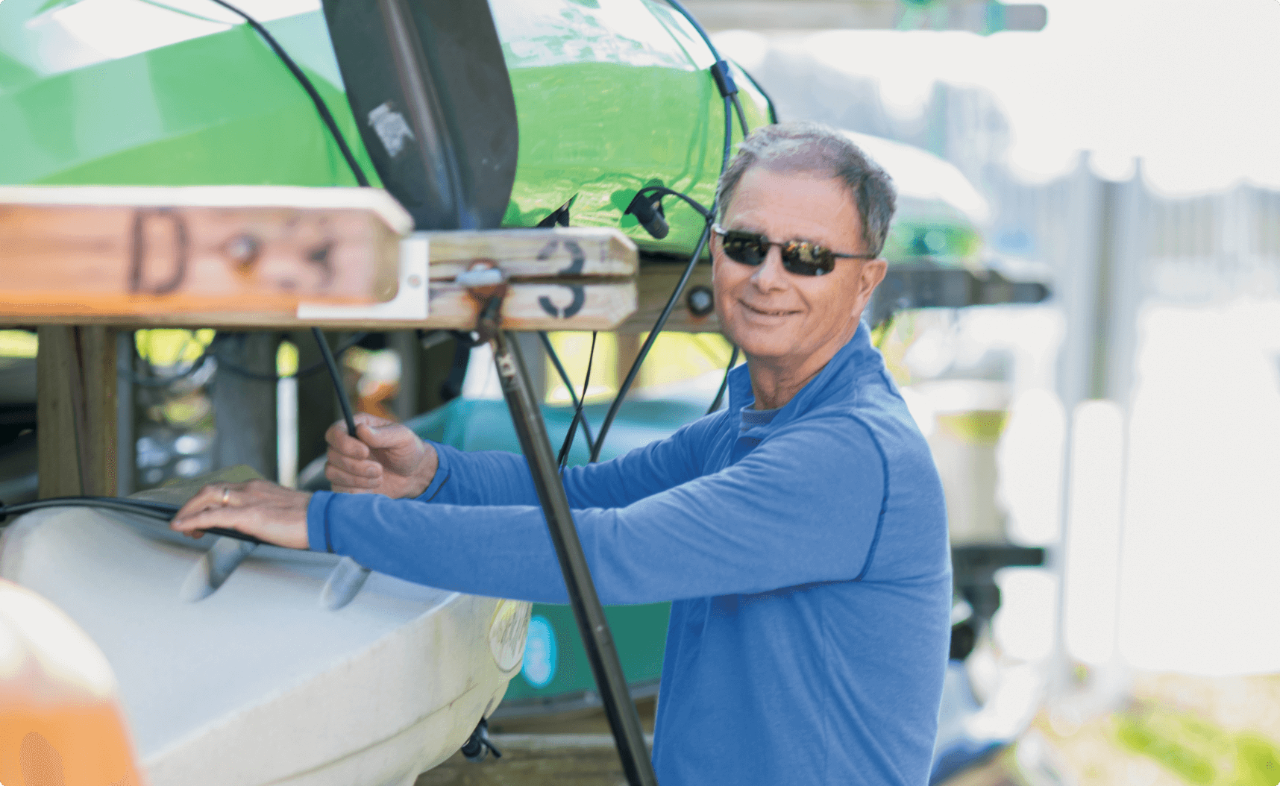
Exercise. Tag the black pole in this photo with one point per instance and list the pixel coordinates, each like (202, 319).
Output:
(593, 626)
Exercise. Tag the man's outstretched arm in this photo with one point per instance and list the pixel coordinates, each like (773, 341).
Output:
(800, 508)
(388, 458)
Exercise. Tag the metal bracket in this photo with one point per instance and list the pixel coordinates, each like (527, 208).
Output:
(486, 283)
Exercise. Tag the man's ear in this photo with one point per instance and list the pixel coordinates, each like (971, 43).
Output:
(869, 278)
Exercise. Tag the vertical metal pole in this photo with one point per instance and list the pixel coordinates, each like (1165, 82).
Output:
(587, 610)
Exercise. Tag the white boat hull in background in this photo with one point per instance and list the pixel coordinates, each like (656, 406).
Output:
(289, 668)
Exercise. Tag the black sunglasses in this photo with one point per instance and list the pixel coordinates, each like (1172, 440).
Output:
(798, 256)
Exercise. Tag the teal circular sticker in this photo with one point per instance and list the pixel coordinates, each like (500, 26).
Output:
(539, 653)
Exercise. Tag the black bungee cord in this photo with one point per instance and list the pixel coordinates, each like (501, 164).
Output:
(305, 371)
(577, 409)
(579, 415)
(728, 89)
(742, 122)
(321, 106)
(325, 115)
(724, 383)
(332, 365)
(708, 214)
(210, 353)
(165, 511)
(721, 69)
(161, 511)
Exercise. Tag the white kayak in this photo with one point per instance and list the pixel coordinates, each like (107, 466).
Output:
(256, 665)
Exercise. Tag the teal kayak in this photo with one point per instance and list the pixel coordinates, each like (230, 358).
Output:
(556, 674)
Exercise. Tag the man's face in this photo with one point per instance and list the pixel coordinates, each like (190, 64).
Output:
(780, 317)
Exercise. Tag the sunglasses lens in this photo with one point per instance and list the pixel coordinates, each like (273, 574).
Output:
(746, 248)
(798, 257)
(807, 259)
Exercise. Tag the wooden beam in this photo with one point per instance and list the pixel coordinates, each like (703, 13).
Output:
(795, 14)
(246, 257)
(656, 282)
(89, 252)
(535, 253)
(539, 306)
(76, 410)
(977, 16)
(602, 307)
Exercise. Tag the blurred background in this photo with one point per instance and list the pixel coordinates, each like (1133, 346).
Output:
(1122, 153)
(1130, 147)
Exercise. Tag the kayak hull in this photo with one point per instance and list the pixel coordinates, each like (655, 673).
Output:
(293, 669)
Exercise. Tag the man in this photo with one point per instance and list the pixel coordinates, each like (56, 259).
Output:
(800, 532)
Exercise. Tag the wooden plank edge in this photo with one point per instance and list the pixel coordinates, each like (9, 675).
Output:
(375, 200)
(537, 306)
(546, 252)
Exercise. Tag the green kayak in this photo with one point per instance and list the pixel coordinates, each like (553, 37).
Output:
(611, 95)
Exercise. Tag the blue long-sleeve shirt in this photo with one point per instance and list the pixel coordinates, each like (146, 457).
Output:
(806, 556)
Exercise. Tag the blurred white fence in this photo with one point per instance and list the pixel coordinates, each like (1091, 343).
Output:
(1172, 312)
(1115, 245)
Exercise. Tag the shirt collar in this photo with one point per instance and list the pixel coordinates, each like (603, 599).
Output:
(855, 359)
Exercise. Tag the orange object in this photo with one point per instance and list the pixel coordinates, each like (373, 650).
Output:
(60, 723)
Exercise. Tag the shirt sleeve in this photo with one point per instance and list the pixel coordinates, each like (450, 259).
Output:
(497, 478)
(803, 506)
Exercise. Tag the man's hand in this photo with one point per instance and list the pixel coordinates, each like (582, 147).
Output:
(387, 458)
(260, 508)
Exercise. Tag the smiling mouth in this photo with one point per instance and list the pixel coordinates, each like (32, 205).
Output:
(766, 312)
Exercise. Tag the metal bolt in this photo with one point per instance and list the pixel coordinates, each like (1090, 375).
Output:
(243, 250)
(700, 301)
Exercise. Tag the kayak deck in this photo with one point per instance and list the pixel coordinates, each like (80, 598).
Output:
(289, 670)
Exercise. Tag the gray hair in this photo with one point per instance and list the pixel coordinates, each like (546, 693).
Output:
(809, 147)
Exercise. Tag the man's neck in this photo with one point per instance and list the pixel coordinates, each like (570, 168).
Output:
(775, 383)
(776, 380)
(774, 390)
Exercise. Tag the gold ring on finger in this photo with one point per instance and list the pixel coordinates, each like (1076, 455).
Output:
(226, 496)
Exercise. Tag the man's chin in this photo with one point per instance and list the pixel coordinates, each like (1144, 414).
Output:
(767, 347)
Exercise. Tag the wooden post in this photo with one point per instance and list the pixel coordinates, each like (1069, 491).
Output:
(76, 410)
(406, 345)
(628, 350)
(126, 415)
(245, 407)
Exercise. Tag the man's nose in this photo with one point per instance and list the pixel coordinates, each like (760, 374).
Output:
(770, 274)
